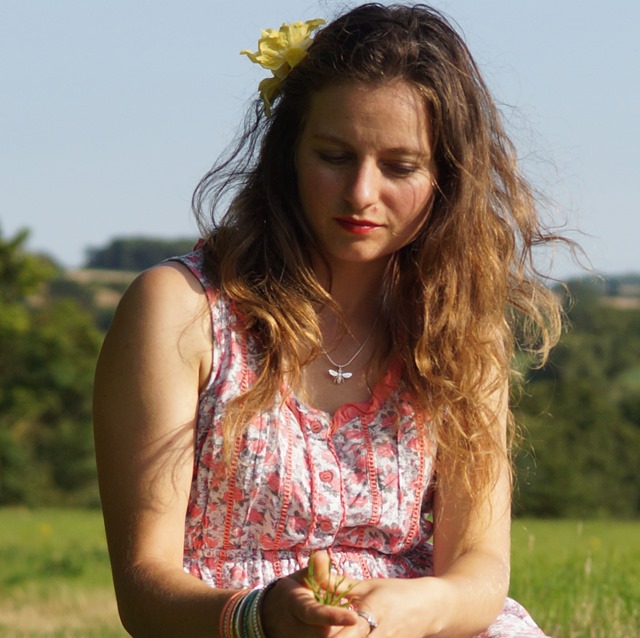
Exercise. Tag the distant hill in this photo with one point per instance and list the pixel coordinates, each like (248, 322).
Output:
(619, 291)
(624, 288)
(106, 286)
(136, 253)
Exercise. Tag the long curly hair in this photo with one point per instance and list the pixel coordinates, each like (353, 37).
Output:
(455, 300)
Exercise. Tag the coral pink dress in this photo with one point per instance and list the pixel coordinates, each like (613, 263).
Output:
(357, 482)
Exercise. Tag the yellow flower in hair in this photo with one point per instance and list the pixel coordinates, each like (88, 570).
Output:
(279, 51)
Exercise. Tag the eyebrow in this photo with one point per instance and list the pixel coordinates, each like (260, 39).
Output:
(399, 150)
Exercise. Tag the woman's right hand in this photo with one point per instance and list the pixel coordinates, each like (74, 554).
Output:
(290, 610)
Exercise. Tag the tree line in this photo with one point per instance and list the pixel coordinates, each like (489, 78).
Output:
(580, 414)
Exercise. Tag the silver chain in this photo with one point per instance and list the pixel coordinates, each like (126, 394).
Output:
(340, 375)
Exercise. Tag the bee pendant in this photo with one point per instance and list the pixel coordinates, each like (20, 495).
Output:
(339, 376)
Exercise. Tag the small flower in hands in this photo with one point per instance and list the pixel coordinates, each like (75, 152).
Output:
(331, 593)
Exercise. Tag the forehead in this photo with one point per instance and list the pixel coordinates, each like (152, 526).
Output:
(392, 113)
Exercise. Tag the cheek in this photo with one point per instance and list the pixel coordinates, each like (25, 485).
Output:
(306, 189)
(315, 186)
(415, 204)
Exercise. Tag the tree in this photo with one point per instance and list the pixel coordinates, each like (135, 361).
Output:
(48, 350)
(136, 253)
(582, 417)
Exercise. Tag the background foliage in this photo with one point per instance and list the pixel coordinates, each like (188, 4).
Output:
(136, 253)
(52, 323)
(581, 412)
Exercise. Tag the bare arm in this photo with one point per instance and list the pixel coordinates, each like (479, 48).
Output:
(472, 545)
(145, 402)
(154, 361)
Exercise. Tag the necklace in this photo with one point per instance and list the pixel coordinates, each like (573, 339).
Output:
(341, 375)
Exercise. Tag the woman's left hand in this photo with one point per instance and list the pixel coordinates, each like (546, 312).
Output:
(402, 608)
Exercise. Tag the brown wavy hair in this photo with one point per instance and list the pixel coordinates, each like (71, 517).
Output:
(455, 299)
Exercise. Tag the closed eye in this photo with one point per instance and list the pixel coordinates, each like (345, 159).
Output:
(333, 158)
(393, 168)
(400, 169)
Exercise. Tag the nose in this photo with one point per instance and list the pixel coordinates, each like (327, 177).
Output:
(363, 187)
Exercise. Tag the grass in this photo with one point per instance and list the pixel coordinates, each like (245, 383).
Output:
(578, 580)
(54, 575)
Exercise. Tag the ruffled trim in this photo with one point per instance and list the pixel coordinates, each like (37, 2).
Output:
(379, 395)
(349, 411)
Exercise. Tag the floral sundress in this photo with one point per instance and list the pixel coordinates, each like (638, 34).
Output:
(357, 483)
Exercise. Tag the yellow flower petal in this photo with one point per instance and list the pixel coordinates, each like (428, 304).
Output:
(250, 55)
(286, 45)
(268, 89)
(294, 56)
(279, 51)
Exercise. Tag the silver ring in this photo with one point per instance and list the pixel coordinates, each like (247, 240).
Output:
(371, 619)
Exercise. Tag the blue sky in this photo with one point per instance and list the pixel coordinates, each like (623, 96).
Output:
(111, 111)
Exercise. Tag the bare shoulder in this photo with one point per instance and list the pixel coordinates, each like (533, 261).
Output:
(169, 287)
(164, 313)
(152, 366)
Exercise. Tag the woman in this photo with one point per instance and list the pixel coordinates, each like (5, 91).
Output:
(321, 387)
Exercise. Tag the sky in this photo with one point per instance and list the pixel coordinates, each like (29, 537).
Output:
(111, 111)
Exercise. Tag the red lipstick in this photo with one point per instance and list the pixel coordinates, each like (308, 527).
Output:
(357, 226)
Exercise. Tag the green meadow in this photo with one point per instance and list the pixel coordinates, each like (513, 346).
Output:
(578, 579)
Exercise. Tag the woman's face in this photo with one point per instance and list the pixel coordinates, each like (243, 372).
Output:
(365, 169)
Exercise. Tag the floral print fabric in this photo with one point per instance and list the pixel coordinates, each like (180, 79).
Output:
(357, 482)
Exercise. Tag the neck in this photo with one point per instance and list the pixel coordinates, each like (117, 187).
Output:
(355, 288)
(350, 335)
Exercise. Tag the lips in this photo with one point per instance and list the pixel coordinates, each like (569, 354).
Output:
(357, 226)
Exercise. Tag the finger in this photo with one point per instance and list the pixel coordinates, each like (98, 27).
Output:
(321, 566)
(327, 578)
(319, 614)
(361, 629)
(297, 599)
